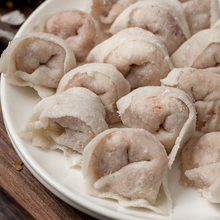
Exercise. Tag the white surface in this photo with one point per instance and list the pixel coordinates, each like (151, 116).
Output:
(50, 168)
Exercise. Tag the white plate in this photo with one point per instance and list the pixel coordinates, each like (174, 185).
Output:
(50, 168)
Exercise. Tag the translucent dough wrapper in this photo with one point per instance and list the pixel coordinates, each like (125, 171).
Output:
(161, 17)
(168, 113)
(66, 121)
(200, 165)
(201, 51)
(138, 54)
(203, 87)
(104, 80)
(130, 166)
(201, 15)
(38, 60)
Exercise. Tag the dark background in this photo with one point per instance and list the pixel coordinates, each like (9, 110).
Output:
(26, 7)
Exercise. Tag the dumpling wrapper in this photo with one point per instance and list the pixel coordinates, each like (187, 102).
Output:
(168, 113)
(201, 15)
(105, 12)
(117, 7)
(130, 166)
(66, 121)
(203, 86)
(138, 54)
(104, 80)
(76, 27)
(201, 51)
(161, 17)
(200, 165)
(38, 60)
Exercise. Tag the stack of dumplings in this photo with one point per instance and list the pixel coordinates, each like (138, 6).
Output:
(125, 88)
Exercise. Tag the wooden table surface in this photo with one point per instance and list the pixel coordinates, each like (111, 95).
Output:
(22, 196)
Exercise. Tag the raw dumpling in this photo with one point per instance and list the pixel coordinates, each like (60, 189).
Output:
(200, 14)
(105, 12)
(168, 113)
(165, 18)
(128, 165)
(201, 51)
(117, 8)
(67, 121)
(203, 87)
(104, 80)
(76, 27)
(201, 165)
(38, 60)
(138, 54)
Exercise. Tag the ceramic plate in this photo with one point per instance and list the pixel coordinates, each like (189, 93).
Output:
(50, 168)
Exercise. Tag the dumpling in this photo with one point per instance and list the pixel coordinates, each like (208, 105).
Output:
(66, 121)
(117, 8)
(201, 51)
(201, 14)
(104, 80)
(128, 165)
(107, 11)
(76, 27)
(38, 60)
(168, 113)
(138, 54)
(200, 165)
(203, 87)
(165, 18)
